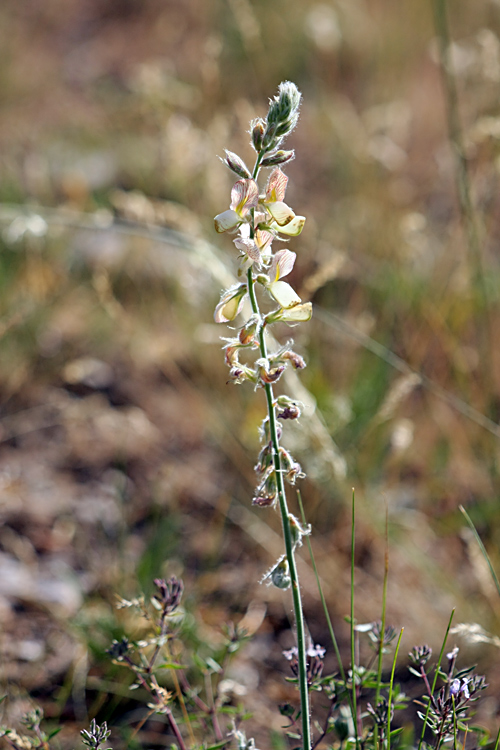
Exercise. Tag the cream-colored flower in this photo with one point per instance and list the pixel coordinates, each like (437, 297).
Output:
(281, 214)
(244, 197)
(230, 303)
(282, 292)
(296, 314)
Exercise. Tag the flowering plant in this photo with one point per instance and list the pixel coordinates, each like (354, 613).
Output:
(260, 219)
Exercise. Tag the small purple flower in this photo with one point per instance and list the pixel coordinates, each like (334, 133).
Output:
(455, 687)
(291, 654)
(316, 650)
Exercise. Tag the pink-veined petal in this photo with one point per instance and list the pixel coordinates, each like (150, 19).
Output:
(281, 213)
(284, 294)
(226, 220)
(282, 264)
(244, 196)
(263, 239)
(276, 186)
(248, 247)
(293, 228)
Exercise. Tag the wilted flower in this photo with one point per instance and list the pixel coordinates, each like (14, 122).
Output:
(298, 531)
(291, 468)
(287, 408)
(266, 493)
(279, 575)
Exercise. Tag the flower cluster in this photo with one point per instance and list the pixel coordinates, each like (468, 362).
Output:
(449, 708)
(259, 219)
(315, 655)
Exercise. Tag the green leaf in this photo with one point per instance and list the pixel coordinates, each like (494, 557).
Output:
(397, 731)
(218, 745)
(212, 664)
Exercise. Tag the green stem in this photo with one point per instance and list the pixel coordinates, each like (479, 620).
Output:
(353, 648)
(322, 596)
(436, 675)
(391, 685)
(382, 625)
(287, 534)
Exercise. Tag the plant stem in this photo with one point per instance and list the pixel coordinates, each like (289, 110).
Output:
(353, 649)
(287, 534)
(436, 674)
(322, 596)
(391, 684)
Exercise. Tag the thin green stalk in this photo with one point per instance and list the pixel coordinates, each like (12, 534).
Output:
(383, 621)
(389, 701)
(321, 595)
(287, 534)
(384, 610)
(481, 547)
(497, 741)
(455, 733)
(436, 674)
(353, 648)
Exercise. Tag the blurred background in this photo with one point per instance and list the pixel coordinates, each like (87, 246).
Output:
(124, 455)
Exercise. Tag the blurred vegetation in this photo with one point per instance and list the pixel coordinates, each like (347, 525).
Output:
(124, 454)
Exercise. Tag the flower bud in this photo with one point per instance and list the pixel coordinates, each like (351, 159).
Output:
(277, 157)
(283, 115)
(270, 141)
(236, 165)
(258, 129)
(250, 330)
